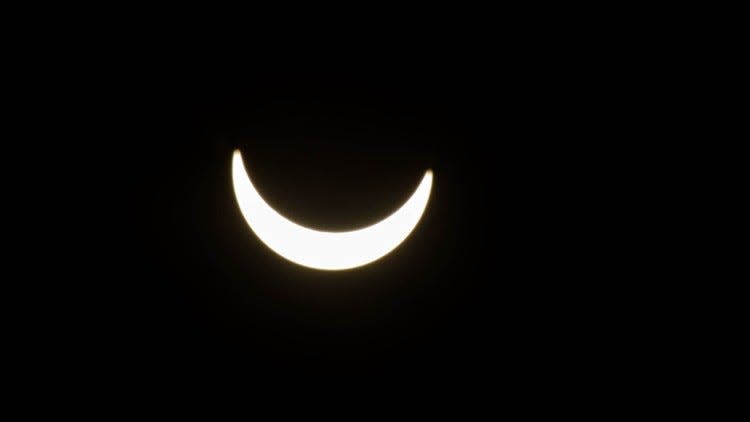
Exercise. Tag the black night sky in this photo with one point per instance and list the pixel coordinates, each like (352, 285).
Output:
(487, 283)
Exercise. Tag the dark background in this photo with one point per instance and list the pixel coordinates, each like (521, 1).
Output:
(495, 280)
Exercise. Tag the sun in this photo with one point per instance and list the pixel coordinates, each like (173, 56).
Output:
(320, 249)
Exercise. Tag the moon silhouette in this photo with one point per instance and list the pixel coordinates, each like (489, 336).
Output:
(321, 249)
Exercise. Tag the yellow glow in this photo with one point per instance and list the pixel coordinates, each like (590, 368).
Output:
(326, 250)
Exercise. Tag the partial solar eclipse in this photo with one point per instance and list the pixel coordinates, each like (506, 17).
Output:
(320, 249)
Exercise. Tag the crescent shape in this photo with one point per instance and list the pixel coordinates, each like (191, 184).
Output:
(320, 249)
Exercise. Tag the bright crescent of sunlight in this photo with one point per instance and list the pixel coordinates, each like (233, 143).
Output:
(326, 250)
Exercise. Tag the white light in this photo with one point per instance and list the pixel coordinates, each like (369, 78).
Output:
(326, 250)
